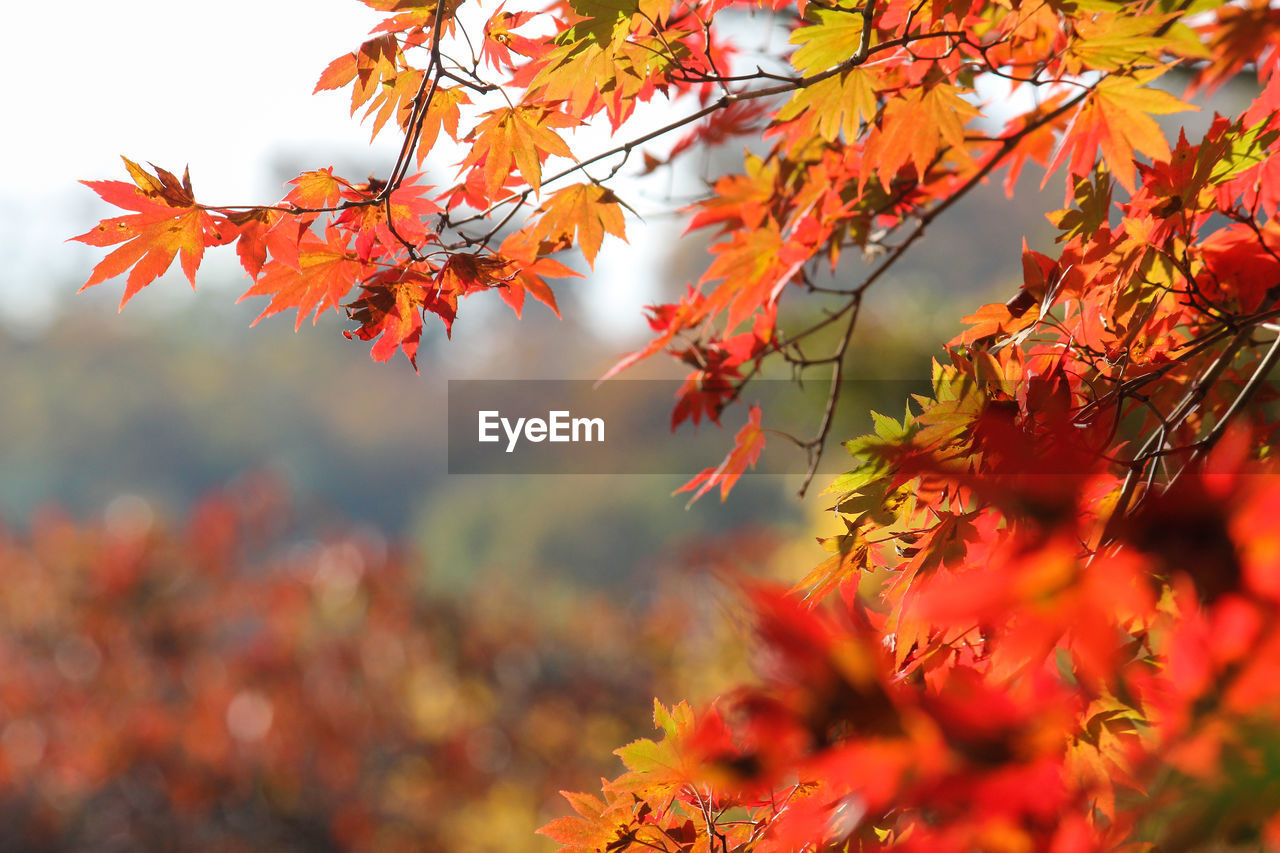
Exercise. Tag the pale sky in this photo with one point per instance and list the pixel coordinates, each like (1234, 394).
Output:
(219, 86)
(170, 81)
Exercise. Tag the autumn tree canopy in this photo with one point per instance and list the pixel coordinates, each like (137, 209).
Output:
(1050, 621)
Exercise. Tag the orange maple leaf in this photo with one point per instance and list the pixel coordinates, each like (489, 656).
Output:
(747, 446)
(755, 265)
(393, 316)
(1116, 117)
(264, 230)
(392, 305)
(532, 267)
(319, 188)
(587, 209)
(594, 830)
(442, 113)
(369, 222)
(916, 126)
(167, 223)
(325, 272)
(519, 136)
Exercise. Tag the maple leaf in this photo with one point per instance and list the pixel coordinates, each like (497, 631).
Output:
(704, 393)
(602, 825)
(370, 224)
(369, 67)
(1112, 42)
(832, 39)
(578, 835)
(325, 273)
(586, 211)
(839, 104)
(443, 113)
(1240, 33)
(747, 446)
(500, 41)
(755, 264)
(659, 766)
(392, 315)
(1116, 116)
(668, 321)
(740, 200)
(316, 189)
(710, 388)
(395, 97)
(1092, 207)
(1240, 266)
(916, 125)
(338, 73)
(604, 22)
(415, 19)
(261, 232)
(739, 118)
(584, 77)
(532, 268)
(1038, 141)
(465, 273)
(168, 223)
(569, 75)
(520, 136)
(392, 303)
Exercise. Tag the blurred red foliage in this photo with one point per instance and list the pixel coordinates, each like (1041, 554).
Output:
(243, 682)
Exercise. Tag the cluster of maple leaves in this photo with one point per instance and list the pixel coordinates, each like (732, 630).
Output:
(1049, 624)
(875, 123)
(1050, 621)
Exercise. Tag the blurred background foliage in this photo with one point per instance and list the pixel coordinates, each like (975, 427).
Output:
(244, 679)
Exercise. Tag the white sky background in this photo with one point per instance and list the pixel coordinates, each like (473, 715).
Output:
(222, 87)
